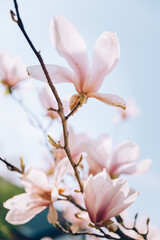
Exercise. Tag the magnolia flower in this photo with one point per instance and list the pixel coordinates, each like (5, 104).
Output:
(87, 81)
(48, 101)
(131, 111)
(105, 198)
(39, 195)
(121, 161)
(12, 70)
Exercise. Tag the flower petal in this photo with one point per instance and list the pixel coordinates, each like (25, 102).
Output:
(17, 216)
(54, 193)
(105, 57)
(60, 170)
(109, 99)
(124, 154)
(29, 180)
(70, 45)
(52, 215)
(89, 194)
(24, 207)
(120, 203)
(57, 74)
(142, 167)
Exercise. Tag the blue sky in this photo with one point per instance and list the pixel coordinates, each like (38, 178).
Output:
(137, 75)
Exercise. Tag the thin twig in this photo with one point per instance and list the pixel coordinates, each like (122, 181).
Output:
(52, 109)
(54, 91)
(11, 167)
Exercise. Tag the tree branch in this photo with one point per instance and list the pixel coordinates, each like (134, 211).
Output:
(11, 167)
(54, 91)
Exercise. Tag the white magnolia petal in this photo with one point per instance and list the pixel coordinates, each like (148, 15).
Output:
(24, 207)
(35, 178)
(126, 152)
(121, 206)
(142, 167)
(105, 57)
(12, 202)
(70, 45)
(54, 193)
(52, 215)
(60, 170)
(57, 74)
(89, 194)
(110, 99)
(17, 216)
(124, 157)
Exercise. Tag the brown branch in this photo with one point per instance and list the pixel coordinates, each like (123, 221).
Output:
(54, 91)
(11, 167)
(52, 109)
(123, 235)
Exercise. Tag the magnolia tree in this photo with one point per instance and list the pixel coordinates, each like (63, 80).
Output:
(85, 176)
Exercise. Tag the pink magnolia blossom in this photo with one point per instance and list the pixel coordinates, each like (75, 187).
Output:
(131, 111)
(69, 44)
(39, 194)
(123, 160)
(48, 101)
(12, 70)
(105, 198)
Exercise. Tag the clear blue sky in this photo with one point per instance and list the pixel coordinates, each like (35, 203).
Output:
(137, 75)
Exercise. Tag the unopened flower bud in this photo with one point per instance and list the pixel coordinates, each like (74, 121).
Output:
(77, 100)
(112, 227)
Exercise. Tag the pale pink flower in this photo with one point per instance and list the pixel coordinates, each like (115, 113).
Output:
(69, 44)
(48, 101)
(39, 194)
(122, 160)
(105, 198)
(12, 70)
(131, 111)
